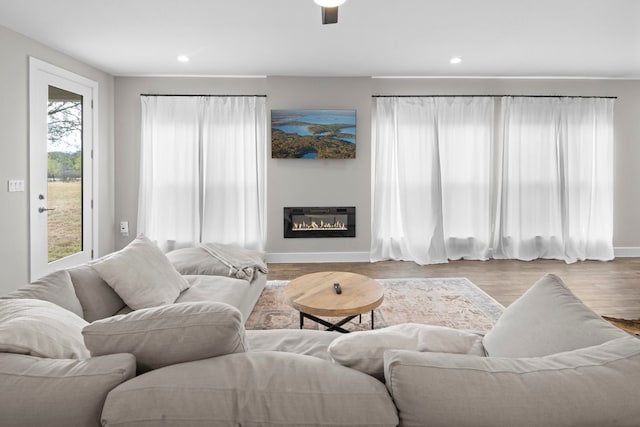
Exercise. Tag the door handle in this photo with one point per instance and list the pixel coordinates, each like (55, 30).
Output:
(41, 209)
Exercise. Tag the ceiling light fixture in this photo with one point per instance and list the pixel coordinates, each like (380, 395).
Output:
(329, 10)
(183, 58)
(329, 3)
(455, 60)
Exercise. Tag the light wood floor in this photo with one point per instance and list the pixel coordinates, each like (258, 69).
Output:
(609, 288)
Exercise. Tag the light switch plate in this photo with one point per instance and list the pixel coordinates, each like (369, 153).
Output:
(15, 185)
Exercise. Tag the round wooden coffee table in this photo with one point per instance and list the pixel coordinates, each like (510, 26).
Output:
(314, 295)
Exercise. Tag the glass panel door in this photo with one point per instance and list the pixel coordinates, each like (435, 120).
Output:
(61, 137)
(64, 173)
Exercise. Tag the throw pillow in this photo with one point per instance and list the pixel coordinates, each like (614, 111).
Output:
(142, 275)
(364, 350)
(169, 334)
(547, 319)
(41, 328)
(55, 287)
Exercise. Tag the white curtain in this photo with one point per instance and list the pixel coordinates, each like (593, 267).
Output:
(431, 175)
(203, 170)
(557, 179)
(234, 171)
(446, 186)
(169, 192)
(465, 132)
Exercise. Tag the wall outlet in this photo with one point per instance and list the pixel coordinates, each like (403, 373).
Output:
(15, 185)
(124, 228)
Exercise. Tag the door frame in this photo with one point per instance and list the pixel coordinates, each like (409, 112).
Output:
(40, 71)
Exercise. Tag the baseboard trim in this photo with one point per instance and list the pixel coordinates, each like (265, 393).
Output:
(626, 252)
(299, 257)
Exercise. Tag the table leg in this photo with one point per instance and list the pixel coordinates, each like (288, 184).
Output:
(330, 326)
(301, 320)
(371, 319)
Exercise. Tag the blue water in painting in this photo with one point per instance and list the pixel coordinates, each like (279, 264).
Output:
(312, 155)
(326, 119)
(350, 140)
(314, 117)
(300, 130)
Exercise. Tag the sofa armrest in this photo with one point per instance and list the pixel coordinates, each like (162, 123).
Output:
(58, 392)
(591, 386)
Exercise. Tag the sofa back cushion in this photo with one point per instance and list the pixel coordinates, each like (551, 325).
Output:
(252, 389)
(547, 319)
(169, 334)
(97, 298)
(58, 392)
(592, 386)
(55, 287)
(41, 328)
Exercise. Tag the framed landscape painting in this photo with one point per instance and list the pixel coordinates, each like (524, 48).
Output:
(313, 134)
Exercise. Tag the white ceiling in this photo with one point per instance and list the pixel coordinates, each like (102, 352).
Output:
(541, 38)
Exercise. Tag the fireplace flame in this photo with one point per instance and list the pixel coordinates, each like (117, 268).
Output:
(313, 225)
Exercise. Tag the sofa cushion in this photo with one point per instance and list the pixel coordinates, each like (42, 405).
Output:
(58, 393)
(97, 298)
(175, 333)
(219, 259)
(547, 319)
(593, 386)
(299, 341)
(41, 328)
(141, 275)
(55, 287)
(236, 292)
(364, 350)
(196, 261)
(251, 389)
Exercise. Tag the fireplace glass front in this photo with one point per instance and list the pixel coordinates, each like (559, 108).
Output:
(319, 222)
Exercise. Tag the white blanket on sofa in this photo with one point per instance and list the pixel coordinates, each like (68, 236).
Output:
(243, 263)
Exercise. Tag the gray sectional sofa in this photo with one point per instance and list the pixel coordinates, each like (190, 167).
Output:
(73, 353)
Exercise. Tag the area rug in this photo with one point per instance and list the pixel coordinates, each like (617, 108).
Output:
(452, 302)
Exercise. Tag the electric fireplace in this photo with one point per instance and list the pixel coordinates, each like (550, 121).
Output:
(319, 222)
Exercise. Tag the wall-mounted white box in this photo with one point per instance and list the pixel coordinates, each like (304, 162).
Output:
(15, 185)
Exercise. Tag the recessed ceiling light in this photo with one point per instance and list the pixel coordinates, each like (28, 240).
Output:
(329, 3)
(183, 58)
(455, 60)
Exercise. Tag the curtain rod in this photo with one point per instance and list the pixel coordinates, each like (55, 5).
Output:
(196, 94)
(491, 96)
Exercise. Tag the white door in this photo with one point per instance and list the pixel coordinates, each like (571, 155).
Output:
(61, 121)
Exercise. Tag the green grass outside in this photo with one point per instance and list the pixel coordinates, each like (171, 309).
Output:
(65, 222)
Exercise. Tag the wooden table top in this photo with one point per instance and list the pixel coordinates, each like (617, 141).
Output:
(314, 294)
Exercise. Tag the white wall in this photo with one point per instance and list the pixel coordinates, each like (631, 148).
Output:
(15, 50)
(297, 182)
(335, 182)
